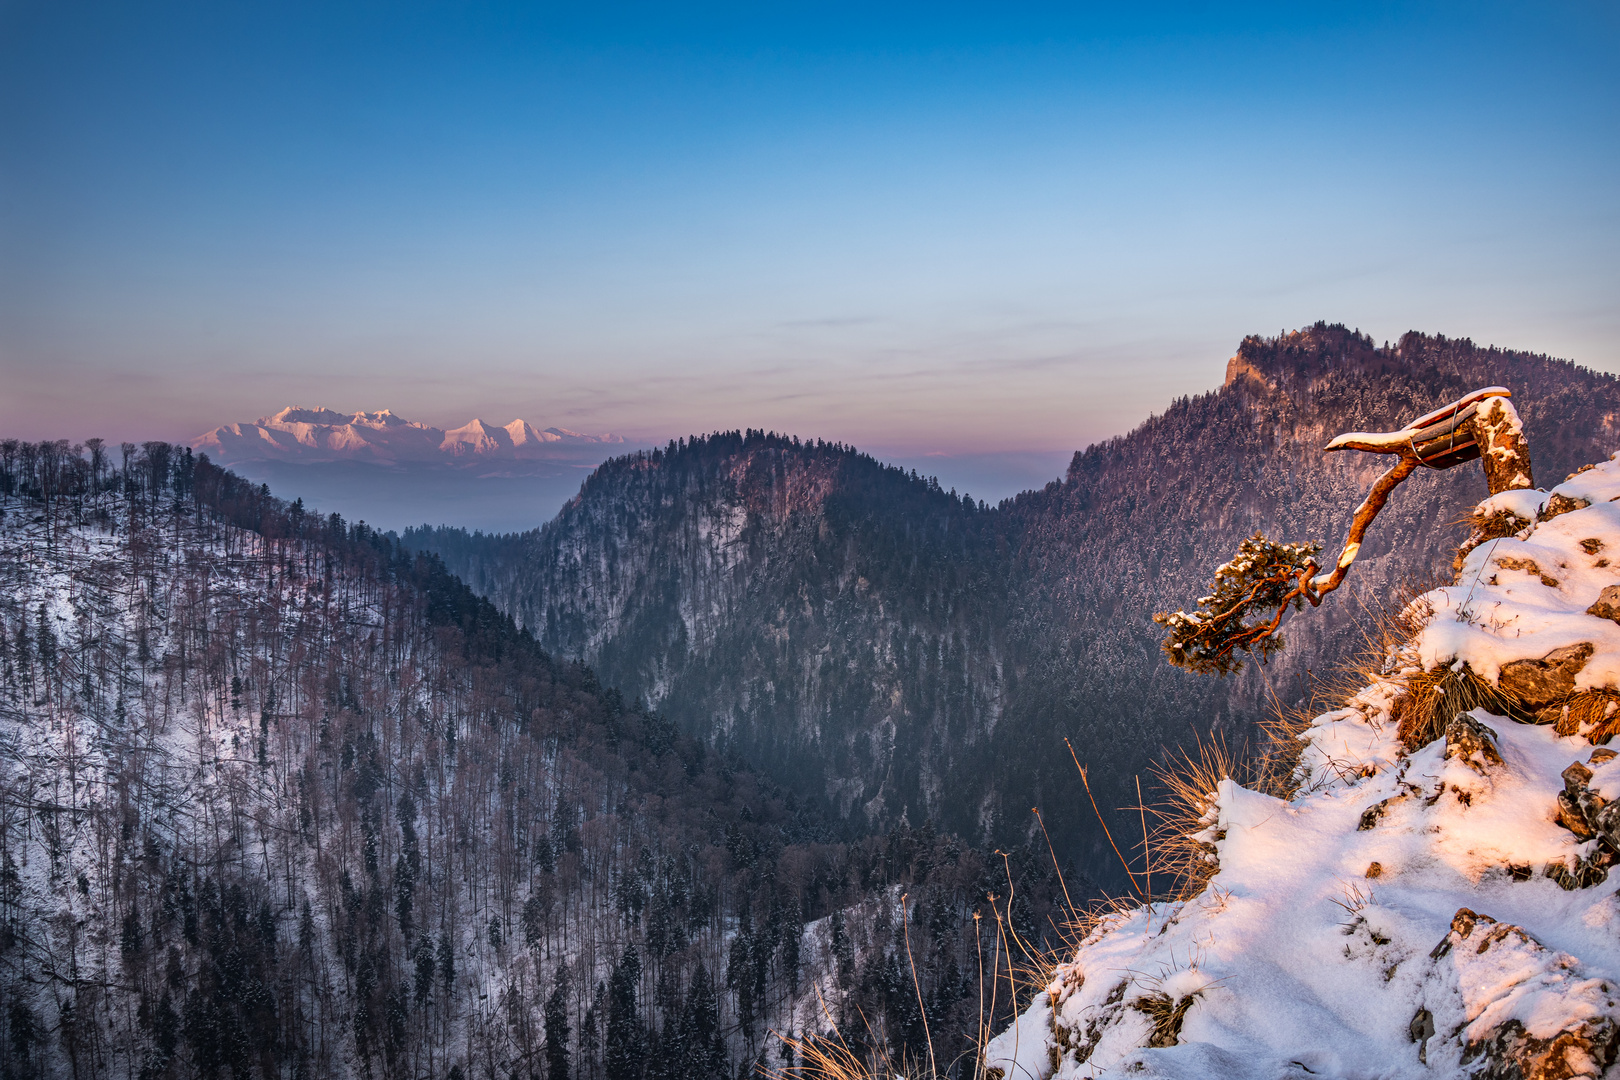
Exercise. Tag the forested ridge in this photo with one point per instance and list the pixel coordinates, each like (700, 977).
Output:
(768, 592)
(280, 796)
(901, 652)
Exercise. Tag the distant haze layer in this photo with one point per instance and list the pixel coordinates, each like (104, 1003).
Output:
(391, 472)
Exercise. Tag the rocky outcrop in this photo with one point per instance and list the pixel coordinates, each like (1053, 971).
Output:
(1607, 605)
(1545, 680)
(1472, 741)
(1490, 984)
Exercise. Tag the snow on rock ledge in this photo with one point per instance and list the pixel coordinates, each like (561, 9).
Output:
(1428, 912)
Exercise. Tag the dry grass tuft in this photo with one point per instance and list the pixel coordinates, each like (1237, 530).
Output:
(1485, 529)
(1166, 1016)
(1013, 967)
(1189, 780)
(1275, 768)
(832, 1057)
(1594, 714)
(1432, 699)
(820, 1058)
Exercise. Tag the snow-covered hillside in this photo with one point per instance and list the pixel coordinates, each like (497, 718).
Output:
(1433, 899)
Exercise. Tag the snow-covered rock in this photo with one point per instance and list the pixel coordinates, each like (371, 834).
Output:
(1432, 911)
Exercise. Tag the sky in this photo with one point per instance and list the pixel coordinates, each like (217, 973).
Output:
(976, 237)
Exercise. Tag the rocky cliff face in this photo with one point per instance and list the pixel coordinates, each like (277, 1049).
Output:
(869, 638)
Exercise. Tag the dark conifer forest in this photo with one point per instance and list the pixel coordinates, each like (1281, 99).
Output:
(281, 797)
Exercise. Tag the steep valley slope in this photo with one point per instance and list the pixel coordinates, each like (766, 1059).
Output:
(904, 654)
(279, 797)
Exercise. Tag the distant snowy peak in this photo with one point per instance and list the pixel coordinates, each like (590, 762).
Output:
(523, 434)
(320, 435)
(294, 414)
(476, 437)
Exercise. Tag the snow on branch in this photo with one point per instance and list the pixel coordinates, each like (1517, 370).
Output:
(1266, 578)
(1263, 577)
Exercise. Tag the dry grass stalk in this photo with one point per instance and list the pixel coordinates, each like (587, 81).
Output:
(1072, 916)
(1131, 875)
(922, 1008)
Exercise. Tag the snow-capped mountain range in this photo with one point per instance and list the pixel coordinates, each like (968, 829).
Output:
(302, 435)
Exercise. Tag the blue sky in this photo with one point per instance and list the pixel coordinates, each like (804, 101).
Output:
(959, 231)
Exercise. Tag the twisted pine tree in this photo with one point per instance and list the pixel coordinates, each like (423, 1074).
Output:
(1256, 588)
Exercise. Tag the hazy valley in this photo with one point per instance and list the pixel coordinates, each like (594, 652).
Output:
(886, 647)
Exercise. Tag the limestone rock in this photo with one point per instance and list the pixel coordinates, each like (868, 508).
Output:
(1511, 1054)
(1497, 969)
(1583, 811)
(1539, 683)
(1472, 741)
(1561, 504)
(1608, 604)
(1571, 818)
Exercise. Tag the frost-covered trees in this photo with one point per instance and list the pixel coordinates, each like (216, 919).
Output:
(280, 798)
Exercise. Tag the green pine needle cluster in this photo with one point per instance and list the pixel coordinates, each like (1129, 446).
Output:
(1262, 578)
